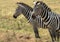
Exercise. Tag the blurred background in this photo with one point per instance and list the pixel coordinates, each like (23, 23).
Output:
(19, 30)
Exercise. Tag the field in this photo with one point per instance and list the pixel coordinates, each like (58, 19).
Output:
(19, 30)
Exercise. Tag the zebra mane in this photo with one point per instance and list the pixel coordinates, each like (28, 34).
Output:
(25, 5)
(44, 5)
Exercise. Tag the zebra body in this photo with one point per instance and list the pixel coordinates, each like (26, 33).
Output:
(52, 20)
(49, 18)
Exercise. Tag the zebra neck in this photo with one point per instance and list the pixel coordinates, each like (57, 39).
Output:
(26, 14)
(46, 18)
(43, 14)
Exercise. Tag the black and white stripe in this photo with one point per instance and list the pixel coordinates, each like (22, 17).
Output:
(49, 18)
(26, 11)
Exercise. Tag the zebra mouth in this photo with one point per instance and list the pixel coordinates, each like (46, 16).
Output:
(33, 16)
(14, 16)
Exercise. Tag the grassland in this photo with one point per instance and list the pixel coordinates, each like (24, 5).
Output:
(19, 30)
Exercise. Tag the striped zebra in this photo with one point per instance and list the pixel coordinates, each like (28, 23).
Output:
(26, 11)
(49, 18)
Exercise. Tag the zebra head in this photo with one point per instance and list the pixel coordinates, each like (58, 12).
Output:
(22, 9)
(40, 8)
(18, 10)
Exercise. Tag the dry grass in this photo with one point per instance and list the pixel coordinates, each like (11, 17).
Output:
(19, 30)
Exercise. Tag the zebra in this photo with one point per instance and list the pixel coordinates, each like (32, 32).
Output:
(26, 11)
(49, 18)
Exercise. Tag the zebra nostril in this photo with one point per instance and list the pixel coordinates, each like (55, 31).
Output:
(14, 16)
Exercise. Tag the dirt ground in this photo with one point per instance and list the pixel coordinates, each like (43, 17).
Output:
(13, 36)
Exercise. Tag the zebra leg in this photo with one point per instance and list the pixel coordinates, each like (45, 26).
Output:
(54, 33)
(36, 32)
(58, 36)
(51, 34)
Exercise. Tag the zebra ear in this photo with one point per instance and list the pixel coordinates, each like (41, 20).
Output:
(38, 3)
(18, 3)
(34, 2)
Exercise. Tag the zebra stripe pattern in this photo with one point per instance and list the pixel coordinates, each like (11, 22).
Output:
(26, 11)
(49, 18)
